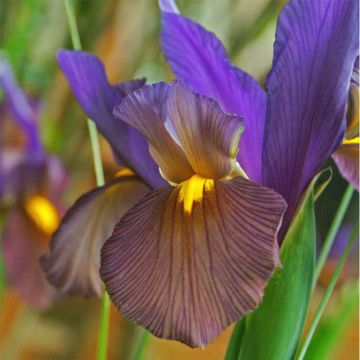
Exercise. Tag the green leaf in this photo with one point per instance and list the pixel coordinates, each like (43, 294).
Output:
(233, 348)
(332, 326)
(300, 355)
(273, 330)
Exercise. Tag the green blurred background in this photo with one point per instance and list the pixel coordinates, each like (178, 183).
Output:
(125, 35)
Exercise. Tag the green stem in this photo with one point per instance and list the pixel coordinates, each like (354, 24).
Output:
(2, 269)
(328, 293)
(143, 341)
(94, 138)
(102, 344)
(100, 180)
(333, 230)
(233, 348)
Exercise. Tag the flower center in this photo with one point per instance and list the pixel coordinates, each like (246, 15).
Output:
(43, 213)
(192, 190)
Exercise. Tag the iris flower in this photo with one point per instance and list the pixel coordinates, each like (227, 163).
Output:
(293, 128)
(194, 254)
(192, 257)
(30, 185)
(203, 229)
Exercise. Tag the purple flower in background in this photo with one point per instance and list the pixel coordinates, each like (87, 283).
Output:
(351, 269)
(346, 156)
(291, 130)
(21, 108)
(31, 183)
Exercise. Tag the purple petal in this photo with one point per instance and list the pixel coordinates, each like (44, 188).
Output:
(198, 57)
(23, 244)
(187, 276)
(72, 264)
(146, 111)
(340, 241)
(346, 158)
(355, 73)
(314, 53)
(87, 78)
(208, 136)
(22, 110)
(168, 6)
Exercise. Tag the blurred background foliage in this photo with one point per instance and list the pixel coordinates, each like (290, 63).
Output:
(125, 35)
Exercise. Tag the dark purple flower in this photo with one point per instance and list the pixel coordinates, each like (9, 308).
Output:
(30, 204)
(31, 183)
(22, 245)
(302, 122)
(21, 108)
(191, 257)
(193, 144)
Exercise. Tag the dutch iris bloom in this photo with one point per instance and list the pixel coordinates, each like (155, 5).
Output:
(30, 185)
(192, 257)
(195, 253)
(72, 263)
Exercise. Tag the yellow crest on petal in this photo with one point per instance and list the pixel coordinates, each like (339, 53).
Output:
(355, 140)
(43, 213)
(192, 190)
(124, 171)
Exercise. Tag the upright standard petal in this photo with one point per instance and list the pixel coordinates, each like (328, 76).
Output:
(22, 110)
(198, 57)
(72, 264)
(146, 110)
(87, 77)
(314, 53)
(188, 275)
(208, 136)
